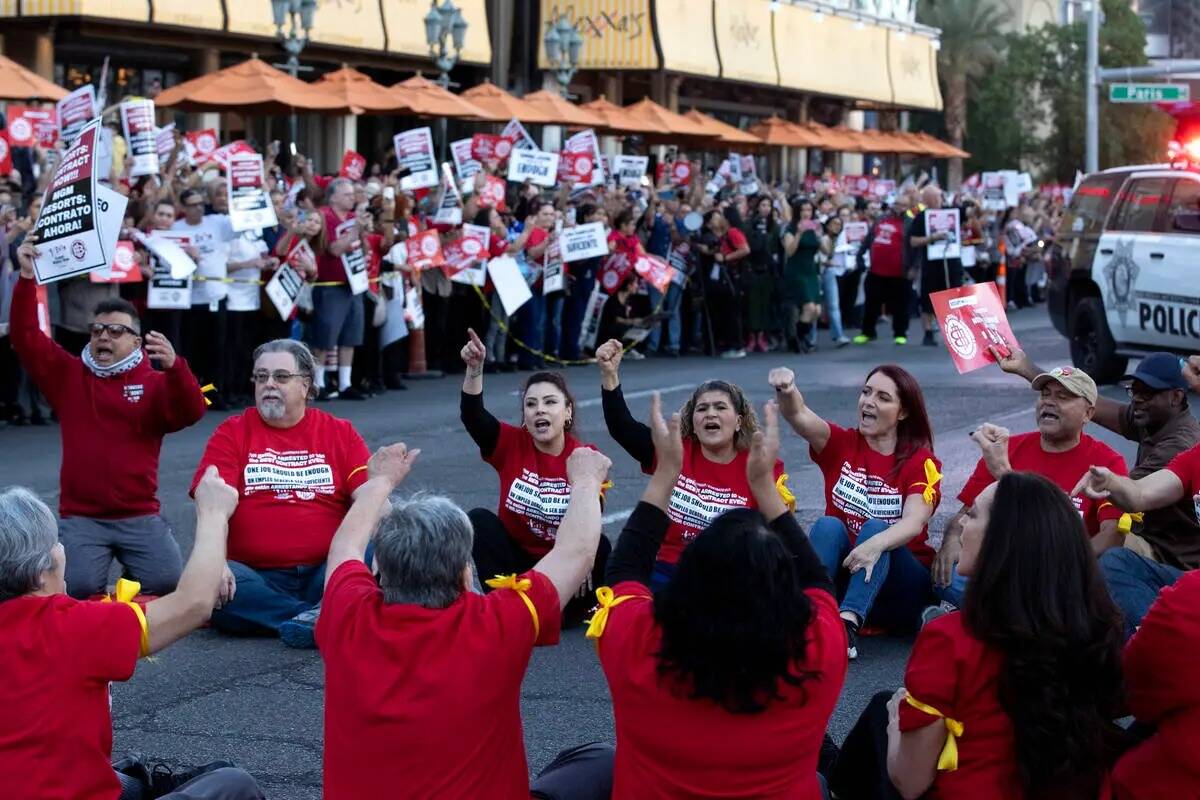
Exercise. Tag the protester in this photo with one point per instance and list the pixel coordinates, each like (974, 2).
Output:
(664, 227)
(582, 277)
(936, 275)
(531, 462)
(833, 259)
(296, 470)
(337, 312)
(886, 283)
(530, 246)
(618, 315)
(60, 655)
(422, 675)
(718, 424)
(1008, 698)
(114, 408)
(759, 274)
(727, 254)
(882, 485)
(802, 276)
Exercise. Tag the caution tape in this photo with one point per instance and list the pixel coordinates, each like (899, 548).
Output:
(250, 282)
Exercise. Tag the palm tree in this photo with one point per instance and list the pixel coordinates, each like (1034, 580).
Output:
(970, 43)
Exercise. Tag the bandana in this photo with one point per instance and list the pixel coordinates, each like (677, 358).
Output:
(120, 368)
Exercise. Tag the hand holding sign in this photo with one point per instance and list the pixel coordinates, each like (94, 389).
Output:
(973, 321)
(26, 253)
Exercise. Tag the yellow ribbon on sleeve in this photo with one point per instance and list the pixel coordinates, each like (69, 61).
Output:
(785, 494)
(932, 479)
(520, 586)
(1125, 523)
(205, 389)
(948, 760)
(124, 592)
(604, 595)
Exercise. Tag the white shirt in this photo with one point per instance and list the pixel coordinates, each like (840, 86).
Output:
(244, 296)
(211, 237)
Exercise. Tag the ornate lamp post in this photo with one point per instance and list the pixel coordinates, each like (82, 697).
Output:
(563, 45)
(445, 33)
(299, 15)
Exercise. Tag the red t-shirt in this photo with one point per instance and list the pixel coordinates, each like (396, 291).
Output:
(1161, 690)
(956, 674)
(1186, 467)
(534, 491)
(59, 655)
(374, 259)
(732, 241)
(1025, 454)
(670, 746)
(426, 702)
(294, 485)
(536, 237)
(861, 484)
(887, 248)
(704, 491)
(630, 245)
(329, 266)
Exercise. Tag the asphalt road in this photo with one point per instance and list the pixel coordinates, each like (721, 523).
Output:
(259, 704)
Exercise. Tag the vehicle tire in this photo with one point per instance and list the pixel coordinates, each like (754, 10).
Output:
(1092, 347)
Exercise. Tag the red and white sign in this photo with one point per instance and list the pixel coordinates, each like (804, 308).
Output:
(858, 185)
(201, 144)
(856, 231)
(575, 168)
(586, 142)
(141, 134)
(614, 272)
(681, 173)
(123, 269)
(655, 271)
(492, 193)
(6, 165)
(76, 110)
(414, 153)
(425, 250)
(972, 319)
(490, 147)
(223, 155)
(32, 127)
(515, 132)
(463, 252)
(464, 165)
(353, 165)
(164, 142)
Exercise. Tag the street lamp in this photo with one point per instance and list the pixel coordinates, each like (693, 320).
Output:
(563, 45)
(299, 16)
(445, 33)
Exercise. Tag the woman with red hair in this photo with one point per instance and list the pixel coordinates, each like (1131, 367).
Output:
(882, 484)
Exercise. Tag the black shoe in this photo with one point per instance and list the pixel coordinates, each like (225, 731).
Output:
(326, 394)
(351, 393)
(928, 340)
(851, 639)
(164, 780)
(135, 766)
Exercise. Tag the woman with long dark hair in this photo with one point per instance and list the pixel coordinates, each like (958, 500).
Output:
(723, 682)
(802, 276)
(1014, 696)
(882, 484)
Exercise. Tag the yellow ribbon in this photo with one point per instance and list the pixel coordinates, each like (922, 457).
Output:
(520, 586)
(785, 494)
(1125, 523)
(125, 591)
(932, 479)
(205, 389)
(607, 602)
(948, 760)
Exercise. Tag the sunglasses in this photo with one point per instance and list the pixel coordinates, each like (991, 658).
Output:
(280, 377)
(115, 330)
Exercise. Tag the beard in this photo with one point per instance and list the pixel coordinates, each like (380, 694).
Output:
(272, 408)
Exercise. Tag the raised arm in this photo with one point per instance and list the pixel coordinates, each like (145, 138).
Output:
(42, 357)
(633, 436)
(1157, 490)
(1109, 413)
(570, 560)
(811, 427)
(483, 427)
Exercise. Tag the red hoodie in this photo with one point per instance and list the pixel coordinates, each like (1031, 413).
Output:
(112, 428)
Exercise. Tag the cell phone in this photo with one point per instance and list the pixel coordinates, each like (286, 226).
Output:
(389, 193)
(292, 148)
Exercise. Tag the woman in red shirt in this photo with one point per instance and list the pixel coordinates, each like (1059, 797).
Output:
(622, 239)
(718, 423)
(882, 484)
(1014, 696)
(723, 682)
(532, 464)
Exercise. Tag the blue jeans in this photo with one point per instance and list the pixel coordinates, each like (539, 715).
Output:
(955, 592)
(1134, 583)
(662, 573)
(554, 312)
(899, 587)
(669, 306)
(833, 304)
(267, 598)
(531, 322)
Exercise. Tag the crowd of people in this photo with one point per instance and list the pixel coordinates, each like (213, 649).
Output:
(1055, 614)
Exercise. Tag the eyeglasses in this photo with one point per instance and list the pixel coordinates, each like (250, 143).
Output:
(280, 377)
(115, 330)
(1142, 391)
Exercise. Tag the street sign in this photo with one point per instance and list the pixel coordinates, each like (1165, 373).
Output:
(1149, 93)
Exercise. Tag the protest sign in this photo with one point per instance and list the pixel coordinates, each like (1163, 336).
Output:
(881, 188)
(222, 155)
(414, 153)
(353, 165)
(354, 260)
(748, 185)
(301, 256)
(575, 168)
(465, 166)
(972, 319)
(856, 232)
(164, 142)
(425, 250)
(510, 285)
(75, 111)
(584, 241)
(553, 277)
(6, 165)
(629, 170)
(515, 132)
(123, 269)
(1023, 183)
(586, 142)
(676, 172)
(535, 166)
(201, 145)
(615, 270)
(450, 206)
(32, 127)
(490, 147)
(283, 290)
(591, 318)
(137, 123)
(474, 271)
(460, 254)
(250, 207)
(943, 220)
(394, 327)
(492, 193)
(655, 271)
(170, 284)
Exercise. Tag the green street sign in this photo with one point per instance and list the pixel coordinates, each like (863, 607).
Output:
(1149, 93)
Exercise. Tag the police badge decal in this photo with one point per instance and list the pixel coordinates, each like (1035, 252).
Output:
(1121, 273)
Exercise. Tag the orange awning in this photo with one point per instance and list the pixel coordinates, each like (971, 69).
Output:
(832, 138)
(18, 83)
(252, 86)
(618, 120)
(675, 124)
(937, 148)
(357, 91)
(777, 132)
(427, 99)
(494, 100)
(563, 112)
(724, 132)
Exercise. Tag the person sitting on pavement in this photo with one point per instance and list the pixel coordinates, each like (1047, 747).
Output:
(531, 462)
(718, 423)
(114, 408)
(1161, 690)
(744, 642)
(296, 469)
(618, 317)
(1166, 541)
(1058, 449)
(423, 675)
(882, 485)
(60, 655)
(1015, 695)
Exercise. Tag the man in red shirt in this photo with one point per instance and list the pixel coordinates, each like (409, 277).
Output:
(338, 316)
(297, 470)
(886, 282)
(1058, 450)
(114, 408)
(422, 675)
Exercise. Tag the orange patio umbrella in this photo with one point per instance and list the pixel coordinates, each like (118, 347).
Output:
(563, 112)
(618, 120)
(776, 132)
(937, 148)
(18, 83)
(357, 91)
(427, 99)
(494, 100)
(832, 138)
(675, 124)
(252, 86)
(724, 132)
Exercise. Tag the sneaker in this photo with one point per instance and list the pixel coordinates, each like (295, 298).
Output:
(351, 393)
(842, 341)
(300, 630)
(164, 780)
(326, 394)
(851, 639)
(933, 612)
(135, 766)
(901, 340)
(635, 355)
(928, 340)
(862, 338)
(734, 354)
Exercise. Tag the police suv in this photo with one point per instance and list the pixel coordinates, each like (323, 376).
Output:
(1124, 267)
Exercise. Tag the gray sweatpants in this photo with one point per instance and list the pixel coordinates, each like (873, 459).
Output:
(143, 545)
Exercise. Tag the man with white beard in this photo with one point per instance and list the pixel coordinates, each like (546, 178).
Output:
(297, 470)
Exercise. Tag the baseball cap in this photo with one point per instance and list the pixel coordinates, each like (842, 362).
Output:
(1159, 371)
(1074, 380)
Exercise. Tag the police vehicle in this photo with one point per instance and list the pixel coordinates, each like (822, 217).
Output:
(1124, 266)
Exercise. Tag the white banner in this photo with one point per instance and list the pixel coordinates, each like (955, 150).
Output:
(283, 289)
(414, 152)
(75, 111)
(250, 207)
(630, 170)
(515, 132)
(170, 284)
(476, 274)
(141, 135)
(586, 142)
(943, 220)
(464, 166)
(354, 260)
(510, 284)
(535, 166)
(450, 206)
(584, 241)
